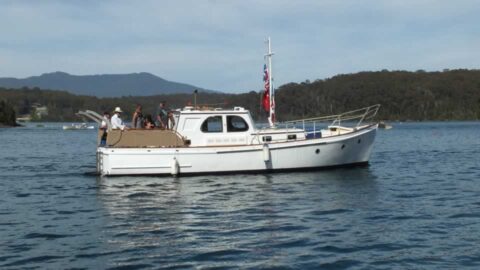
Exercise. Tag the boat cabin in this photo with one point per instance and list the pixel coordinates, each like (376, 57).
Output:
(227, 127)
(215, 127)
(200, 128)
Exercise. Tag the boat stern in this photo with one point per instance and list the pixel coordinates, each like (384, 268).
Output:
(101, 160)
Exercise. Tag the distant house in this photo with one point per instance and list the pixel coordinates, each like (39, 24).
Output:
(39, 110)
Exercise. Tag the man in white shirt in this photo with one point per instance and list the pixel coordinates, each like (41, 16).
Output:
(117, 122)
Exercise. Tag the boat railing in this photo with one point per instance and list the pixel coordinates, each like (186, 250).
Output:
(96, 117)
(352, 119)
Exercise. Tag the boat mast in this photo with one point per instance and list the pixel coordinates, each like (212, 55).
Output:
(271, 117)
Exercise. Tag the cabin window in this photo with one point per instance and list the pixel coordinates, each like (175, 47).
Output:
(212, 124)
(190, 123)
(236, 124)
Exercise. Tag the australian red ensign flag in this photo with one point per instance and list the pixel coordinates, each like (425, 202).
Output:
(266, 93)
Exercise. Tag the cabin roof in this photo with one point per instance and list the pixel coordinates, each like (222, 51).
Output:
(191, 110)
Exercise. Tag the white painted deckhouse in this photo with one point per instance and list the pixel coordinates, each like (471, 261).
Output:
(215, 140)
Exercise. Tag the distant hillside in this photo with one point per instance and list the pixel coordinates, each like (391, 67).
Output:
(108, 85)
(404, 96)
(62, 106)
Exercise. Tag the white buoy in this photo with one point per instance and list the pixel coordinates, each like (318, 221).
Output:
(175, 168)
(266, 153)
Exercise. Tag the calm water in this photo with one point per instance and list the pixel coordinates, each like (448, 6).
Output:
(417, 206)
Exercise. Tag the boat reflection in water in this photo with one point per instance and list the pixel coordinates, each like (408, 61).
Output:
(183, 218)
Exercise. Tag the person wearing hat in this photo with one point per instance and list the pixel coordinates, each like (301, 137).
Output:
(117, 122)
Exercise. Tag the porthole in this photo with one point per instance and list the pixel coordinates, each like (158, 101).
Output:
(359, 141)
(317, 151)
(343, 146)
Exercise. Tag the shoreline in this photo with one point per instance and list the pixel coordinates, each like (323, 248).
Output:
(3, 125)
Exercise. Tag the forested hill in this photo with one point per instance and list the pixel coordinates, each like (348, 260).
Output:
(62, 105)
(447, 95)
(105, 85)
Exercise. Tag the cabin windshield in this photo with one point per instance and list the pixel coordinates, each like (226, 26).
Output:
(236, 124)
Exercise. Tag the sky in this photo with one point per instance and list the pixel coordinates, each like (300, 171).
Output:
(220, 44)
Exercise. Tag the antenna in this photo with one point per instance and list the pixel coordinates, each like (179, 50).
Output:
(195, 99)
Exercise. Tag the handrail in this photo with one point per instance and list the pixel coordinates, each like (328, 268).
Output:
(96, 117)
(81, 113)
(366, 110)
(363, 114)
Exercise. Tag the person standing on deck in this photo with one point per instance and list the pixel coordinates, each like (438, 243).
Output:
(162, 116)
(117, 122)
(104, 128)
(138, 119)
(171, 120)
(106, 117)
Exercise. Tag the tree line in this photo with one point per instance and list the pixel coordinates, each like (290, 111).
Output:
(415, 96)
(7, 114)
(63, 106)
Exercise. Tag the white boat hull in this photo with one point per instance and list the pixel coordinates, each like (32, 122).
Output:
(342, 150)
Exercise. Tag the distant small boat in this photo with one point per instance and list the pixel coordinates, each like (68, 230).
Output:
(384, 125)
(24, 119)
(78, 127)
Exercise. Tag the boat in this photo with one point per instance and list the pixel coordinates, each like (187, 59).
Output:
(216, 140)
(24, 118)
(78, 126)
(384, 125)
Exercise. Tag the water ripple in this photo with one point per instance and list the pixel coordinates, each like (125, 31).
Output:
(46, 236)
(38, 259)
(416, 206)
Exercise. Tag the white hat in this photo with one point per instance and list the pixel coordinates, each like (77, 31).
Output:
(117, 109)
